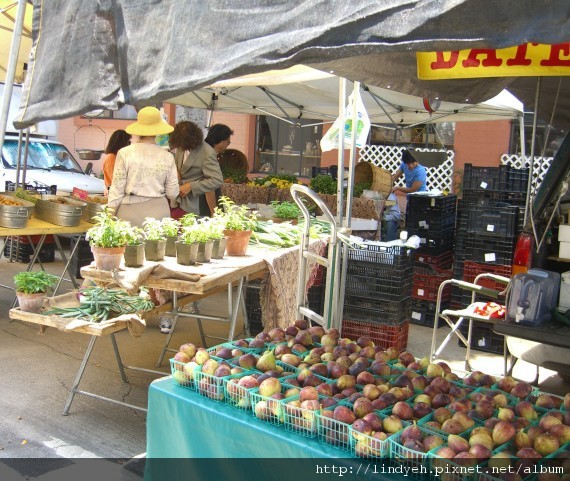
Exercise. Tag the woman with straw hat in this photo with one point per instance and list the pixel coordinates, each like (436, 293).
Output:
(145, 174)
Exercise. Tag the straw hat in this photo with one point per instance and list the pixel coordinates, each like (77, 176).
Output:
(149, 122)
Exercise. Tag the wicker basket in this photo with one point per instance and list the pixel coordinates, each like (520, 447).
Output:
(380, 179)
(233, 161)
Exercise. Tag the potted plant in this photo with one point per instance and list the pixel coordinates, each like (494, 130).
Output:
(134, 250)
(204, 239)
(285, 211)
(188, 219)
(155, 240)
(31, 289)
(170, 227)
(238, 223)
(187, 246)
(217, 234)
(108, 238)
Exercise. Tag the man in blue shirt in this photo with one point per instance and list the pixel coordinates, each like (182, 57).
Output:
(415, 175)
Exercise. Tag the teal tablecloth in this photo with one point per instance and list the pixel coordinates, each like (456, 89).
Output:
(190, 437)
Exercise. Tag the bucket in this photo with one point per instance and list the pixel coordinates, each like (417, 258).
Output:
(380, 179)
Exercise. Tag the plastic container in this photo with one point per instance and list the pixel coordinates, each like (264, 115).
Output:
(533, 295)
(565, 290)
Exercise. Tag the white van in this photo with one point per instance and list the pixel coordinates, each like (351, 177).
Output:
(49, 163)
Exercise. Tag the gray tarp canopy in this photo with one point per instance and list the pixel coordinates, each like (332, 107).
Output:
(89, 55)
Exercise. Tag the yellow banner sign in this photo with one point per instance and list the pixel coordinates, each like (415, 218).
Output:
(526, 60)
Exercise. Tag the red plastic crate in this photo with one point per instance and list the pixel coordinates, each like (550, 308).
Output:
(441, 261)
(472, 269)
(427, 281)
(384, 335)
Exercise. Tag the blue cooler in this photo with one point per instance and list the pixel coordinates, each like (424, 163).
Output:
(533, 295)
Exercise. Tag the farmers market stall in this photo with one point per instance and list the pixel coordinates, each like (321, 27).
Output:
(383, 407)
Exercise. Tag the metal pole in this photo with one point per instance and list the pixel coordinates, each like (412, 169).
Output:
(340, 174)
(532, 143)
(11, 71)
(523, 158)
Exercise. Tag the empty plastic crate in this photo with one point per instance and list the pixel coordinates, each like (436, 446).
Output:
(472, 269)
(436, 205)
(435, 242)
(381, 312)
(423, 313)
(482, 337)
(485, 178)
(493, 220)
(378, 283)
(439, 261)
(421, 221)
(383, 335)
(427, 281)
(395, 258)
(489, 250)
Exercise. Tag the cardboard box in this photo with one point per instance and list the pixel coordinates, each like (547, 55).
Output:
(564, 233)
(564, 250)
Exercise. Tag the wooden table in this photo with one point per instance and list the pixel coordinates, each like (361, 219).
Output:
(42, 228)
(95, 331)
(210, 278)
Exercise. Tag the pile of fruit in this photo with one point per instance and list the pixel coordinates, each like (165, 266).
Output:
(380, 403)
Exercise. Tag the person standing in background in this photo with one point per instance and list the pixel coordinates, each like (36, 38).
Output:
(198, 168)
(145, 174)
(415, 175)
(219, 139)
(118, 140)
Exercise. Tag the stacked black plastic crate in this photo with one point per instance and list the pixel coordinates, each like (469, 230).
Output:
(377, 293)
(490, 217)
(21, 248)
(432, 219)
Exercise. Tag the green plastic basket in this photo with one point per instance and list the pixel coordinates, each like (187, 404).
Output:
(414, 461)
(180, 376)
(211, 386)
(299, 420)
(332, 432)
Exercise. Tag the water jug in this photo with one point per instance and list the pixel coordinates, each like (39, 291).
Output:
(533, 295)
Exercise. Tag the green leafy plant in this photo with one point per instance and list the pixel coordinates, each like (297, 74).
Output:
(323, 184)
(286, 210)
(188, 235)
(188, 219)
(135, 236)
(235, 217)
(33, 282)
(108, 231)
(153, 229)
(360, 188)
(170, 227)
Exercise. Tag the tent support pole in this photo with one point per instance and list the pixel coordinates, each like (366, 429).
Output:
(532, 144)
(11, 71)
(523, 156)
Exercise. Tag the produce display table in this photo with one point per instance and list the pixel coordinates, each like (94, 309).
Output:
(42, 228)
(211, 278)
(95, 331)
(188, 435)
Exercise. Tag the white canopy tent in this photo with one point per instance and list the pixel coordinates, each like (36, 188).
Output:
(304, 92)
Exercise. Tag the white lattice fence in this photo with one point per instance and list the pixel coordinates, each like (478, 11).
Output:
(541, 165)
(389, 157)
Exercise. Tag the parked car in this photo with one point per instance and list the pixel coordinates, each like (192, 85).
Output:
(48, 163)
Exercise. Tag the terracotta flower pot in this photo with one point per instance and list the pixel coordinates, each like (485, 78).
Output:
(107, 258)
(205, 251)
(134, 255)
(236, 244)
(154, 250)
(278, 220)
(186, 254)
(31, 302)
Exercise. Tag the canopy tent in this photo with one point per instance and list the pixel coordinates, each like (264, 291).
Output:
(8, 11)
(304, 92)
(90, 55)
